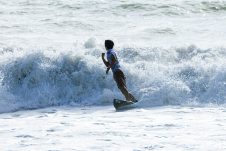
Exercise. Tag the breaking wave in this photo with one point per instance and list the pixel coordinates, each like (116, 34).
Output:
(156, 76)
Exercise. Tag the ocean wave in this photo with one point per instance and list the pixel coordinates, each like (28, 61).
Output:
(210, 6)
(156, 76)
(175, 9)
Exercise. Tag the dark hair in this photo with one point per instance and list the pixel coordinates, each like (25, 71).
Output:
(109, 44)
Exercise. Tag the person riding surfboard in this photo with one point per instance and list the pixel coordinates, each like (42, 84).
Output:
(118, 75)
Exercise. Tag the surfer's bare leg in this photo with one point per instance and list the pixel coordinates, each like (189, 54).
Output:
(121, 83)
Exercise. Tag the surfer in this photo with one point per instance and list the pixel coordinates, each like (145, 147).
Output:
(113, 64)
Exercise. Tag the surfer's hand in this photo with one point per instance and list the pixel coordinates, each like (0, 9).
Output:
(103, 54)
(107, 70)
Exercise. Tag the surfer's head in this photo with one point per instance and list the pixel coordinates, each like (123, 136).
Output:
(109, 44)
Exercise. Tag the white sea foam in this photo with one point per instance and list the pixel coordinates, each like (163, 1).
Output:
(156, 76)
(101, 128)
(172, 52)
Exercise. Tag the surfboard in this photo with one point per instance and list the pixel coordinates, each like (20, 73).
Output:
(122, 104)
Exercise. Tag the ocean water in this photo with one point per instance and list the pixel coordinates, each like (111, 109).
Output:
(173, 53)
(168, 128)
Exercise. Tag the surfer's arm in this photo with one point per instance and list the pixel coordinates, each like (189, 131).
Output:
(105, 62)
